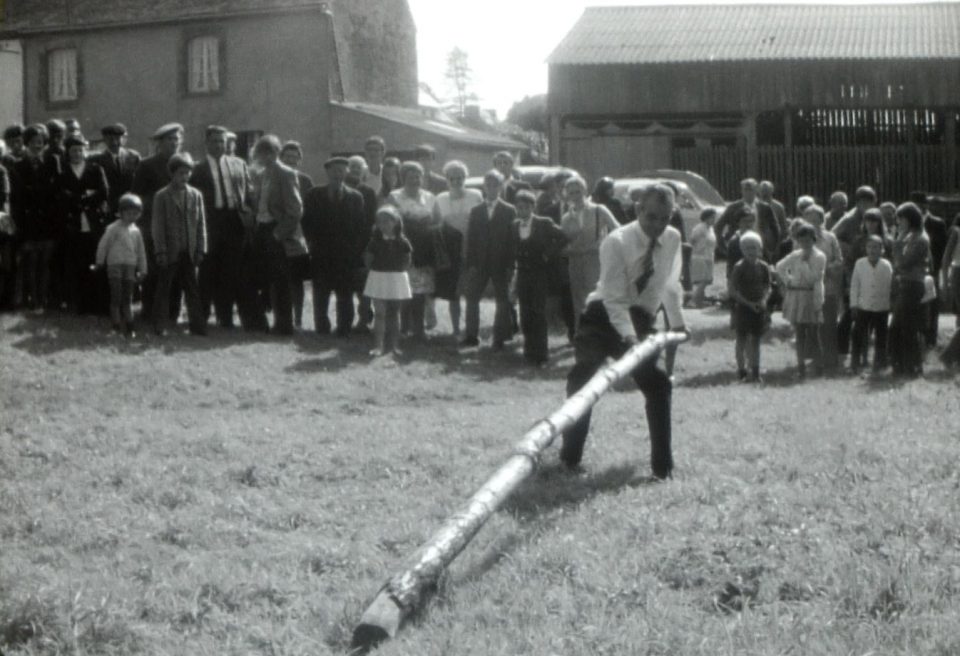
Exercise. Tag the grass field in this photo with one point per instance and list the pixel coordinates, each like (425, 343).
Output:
(233, 495)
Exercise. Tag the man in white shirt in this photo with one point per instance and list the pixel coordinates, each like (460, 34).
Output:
(870, 286)
(640, 265)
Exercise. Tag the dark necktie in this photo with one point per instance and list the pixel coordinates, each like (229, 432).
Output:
(223, 184)
(646, 268)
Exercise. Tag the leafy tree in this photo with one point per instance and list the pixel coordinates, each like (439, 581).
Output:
(530, 113)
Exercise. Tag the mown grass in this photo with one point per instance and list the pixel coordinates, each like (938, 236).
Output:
(243, 496)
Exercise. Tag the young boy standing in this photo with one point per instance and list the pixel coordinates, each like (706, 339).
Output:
(749, 291)
(870, 286)
(122, 252)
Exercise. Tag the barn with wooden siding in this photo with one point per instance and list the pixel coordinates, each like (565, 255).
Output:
(813, 97)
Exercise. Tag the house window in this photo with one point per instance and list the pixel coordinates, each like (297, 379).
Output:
(62, 75)
(203, 65)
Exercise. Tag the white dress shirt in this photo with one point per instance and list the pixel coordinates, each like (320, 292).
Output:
(621, 261)
(870, 285)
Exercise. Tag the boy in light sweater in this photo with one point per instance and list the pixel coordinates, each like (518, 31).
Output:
(122, 252)
(870, 286)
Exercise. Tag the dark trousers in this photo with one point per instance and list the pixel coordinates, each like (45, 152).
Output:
(86, 291)
(502, 324)
(272, 267)
(906, 328)
(866, 324)
(341, 283)
(220, 273)
(532, 294)
(182, 272)
(845, 327)
(597, 340)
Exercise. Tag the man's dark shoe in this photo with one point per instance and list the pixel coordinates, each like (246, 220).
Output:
(469, 342)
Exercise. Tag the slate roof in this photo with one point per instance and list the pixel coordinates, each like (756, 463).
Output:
(23, 16)
(412, 117)
(706, 33)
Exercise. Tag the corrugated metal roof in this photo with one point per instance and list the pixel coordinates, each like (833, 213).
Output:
(704, 33)
(24, 16)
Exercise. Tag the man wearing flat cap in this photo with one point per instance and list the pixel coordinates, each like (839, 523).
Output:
(118, 163)
(151, 176)
(336, 230)
(224, 182)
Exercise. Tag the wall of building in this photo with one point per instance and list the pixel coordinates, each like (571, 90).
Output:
(703, 88)
(275, 79)
(376, 41)
(11, 83)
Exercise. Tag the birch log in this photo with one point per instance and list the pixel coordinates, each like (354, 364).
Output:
(405, 592)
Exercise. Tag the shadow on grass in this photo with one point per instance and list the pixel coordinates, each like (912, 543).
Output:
(50, 333)
(555, 486)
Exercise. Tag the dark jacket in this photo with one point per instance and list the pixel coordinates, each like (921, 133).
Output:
(536, 254)
(767, 225)
(4, 187)
(30, 202)
(936, 229)
(369, 204)
(178, 225)
(150, 177)
(119, 170)
(490, 243)
(335, 228)
(84, 195)
(238, 182)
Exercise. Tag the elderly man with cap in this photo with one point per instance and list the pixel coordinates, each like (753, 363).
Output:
(224, 182)
(13, 138)
(433, 182)
(335, 225)
(849, 232)
(81, 190)
(118, 163)
(151, 176)
(936, 229)
(277, 233)
(179, 241)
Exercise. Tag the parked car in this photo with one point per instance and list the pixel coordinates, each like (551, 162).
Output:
(531, 174)
(694, 193)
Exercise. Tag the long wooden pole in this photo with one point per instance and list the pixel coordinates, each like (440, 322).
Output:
(405, 592)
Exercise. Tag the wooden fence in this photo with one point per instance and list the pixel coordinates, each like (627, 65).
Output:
(894, 171)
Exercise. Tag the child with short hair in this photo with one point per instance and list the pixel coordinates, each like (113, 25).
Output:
(122, 252)
(802, 275)
(388, 256)
(703, 241)
(870, 286)
(748, 223)
(750, 288)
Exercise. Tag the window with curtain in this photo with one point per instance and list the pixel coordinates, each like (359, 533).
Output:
(62, 75)
(203, 57)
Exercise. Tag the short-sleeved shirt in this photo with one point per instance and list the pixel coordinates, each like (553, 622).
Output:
(751, 280)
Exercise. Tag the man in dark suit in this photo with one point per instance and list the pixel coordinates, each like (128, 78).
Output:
(729, 221)
(335, 226)
(503, 162)
(118, 163)
(357, 175)
(292, 155)
(150, 177)
(937, 233)
(277, 214)
(490, 256)
(54, 155)
(225, 184)
(432, 182)
(765, 193)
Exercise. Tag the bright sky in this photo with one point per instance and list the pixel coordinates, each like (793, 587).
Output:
(507, 41)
